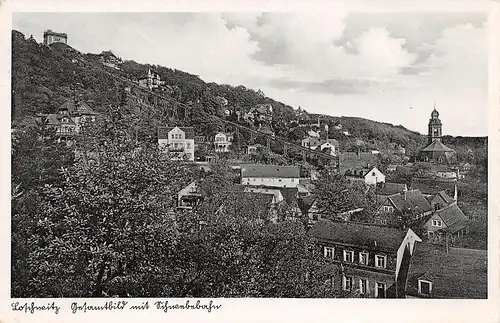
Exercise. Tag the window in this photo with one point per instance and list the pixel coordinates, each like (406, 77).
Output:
(363, 258)
(380, 261)
(188, 145)
(293, 180)
(430, 234)
(254, 179)
(363, 286)
(380, 290)
(373, 173)
(279, 180)
(328, 252)
(437, 223)
(173, 136)
(424, 287)
(348, 255)
(348, 282)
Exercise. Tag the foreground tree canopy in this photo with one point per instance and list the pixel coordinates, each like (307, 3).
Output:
(105, 224)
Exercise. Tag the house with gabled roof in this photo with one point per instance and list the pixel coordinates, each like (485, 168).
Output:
(370, 176)
(448, 222)
(178, 142)
(189, 196)
(412, 203)
(441, 199)
(388, 188)
(447, 273)
(372, 260)
(270, 175)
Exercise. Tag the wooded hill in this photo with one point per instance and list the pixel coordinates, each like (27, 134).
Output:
(45, 77)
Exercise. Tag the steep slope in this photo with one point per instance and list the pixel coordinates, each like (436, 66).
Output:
(44, 77)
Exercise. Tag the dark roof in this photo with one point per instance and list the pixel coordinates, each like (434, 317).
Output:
(460, 273)
(431, 187)
(163, 132)
(350, 160)
(289, 194)
(445, 197)
(366, 236)
(54, 118)
(412, 200)
(391, 188)
(306, 202)
(80, 107)
(403, 169)
(270, 171)
(453, 217)
(437, 145)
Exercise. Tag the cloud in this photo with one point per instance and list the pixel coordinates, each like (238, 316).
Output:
(369, 65)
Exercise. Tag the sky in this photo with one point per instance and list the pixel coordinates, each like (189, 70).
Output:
(385, 66)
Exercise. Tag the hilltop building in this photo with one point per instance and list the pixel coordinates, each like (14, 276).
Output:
(151, 80)
(178, 142)
(436, 151)
(50, 37)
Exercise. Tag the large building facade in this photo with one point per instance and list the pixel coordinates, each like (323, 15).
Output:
(50, 37)
(178, 142)
(436, 151)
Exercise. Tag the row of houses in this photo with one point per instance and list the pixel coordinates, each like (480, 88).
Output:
(368, 259)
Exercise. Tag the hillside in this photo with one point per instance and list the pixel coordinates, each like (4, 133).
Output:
(43, 78)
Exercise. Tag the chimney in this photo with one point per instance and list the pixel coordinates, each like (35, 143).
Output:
(455, 197)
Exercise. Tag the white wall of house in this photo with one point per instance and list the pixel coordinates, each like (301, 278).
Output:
(328, 145)
(374, 176)
(177, 142)
(270, 181)
(222, 142)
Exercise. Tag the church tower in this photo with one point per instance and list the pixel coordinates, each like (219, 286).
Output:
(435, 127)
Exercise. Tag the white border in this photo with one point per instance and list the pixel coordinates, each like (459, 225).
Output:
(269, 310)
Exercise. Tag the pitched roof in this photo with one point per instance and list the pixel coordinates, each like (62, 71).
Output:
(53, 119)
(412, 200)
(392, 188)
(445, 197)
(163, 132)
(289, 194)
(366, 236)
(453, 217)
(460, 273)
(77, 107)
(437, 145)
(269, 171)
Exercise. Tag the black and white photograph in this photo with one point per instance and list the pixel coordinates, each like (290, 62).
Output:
(216, 155)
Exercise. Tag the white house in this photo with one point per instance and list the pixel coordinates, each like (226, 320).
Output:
(270, 175)
(222, 141)
(328, 146)
(370, 176)
(177, 142)
(374, 176)
(314, 134)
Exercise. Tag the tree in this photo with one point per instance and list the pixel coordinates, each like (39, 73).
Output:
(335, 195)
(104, 229)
